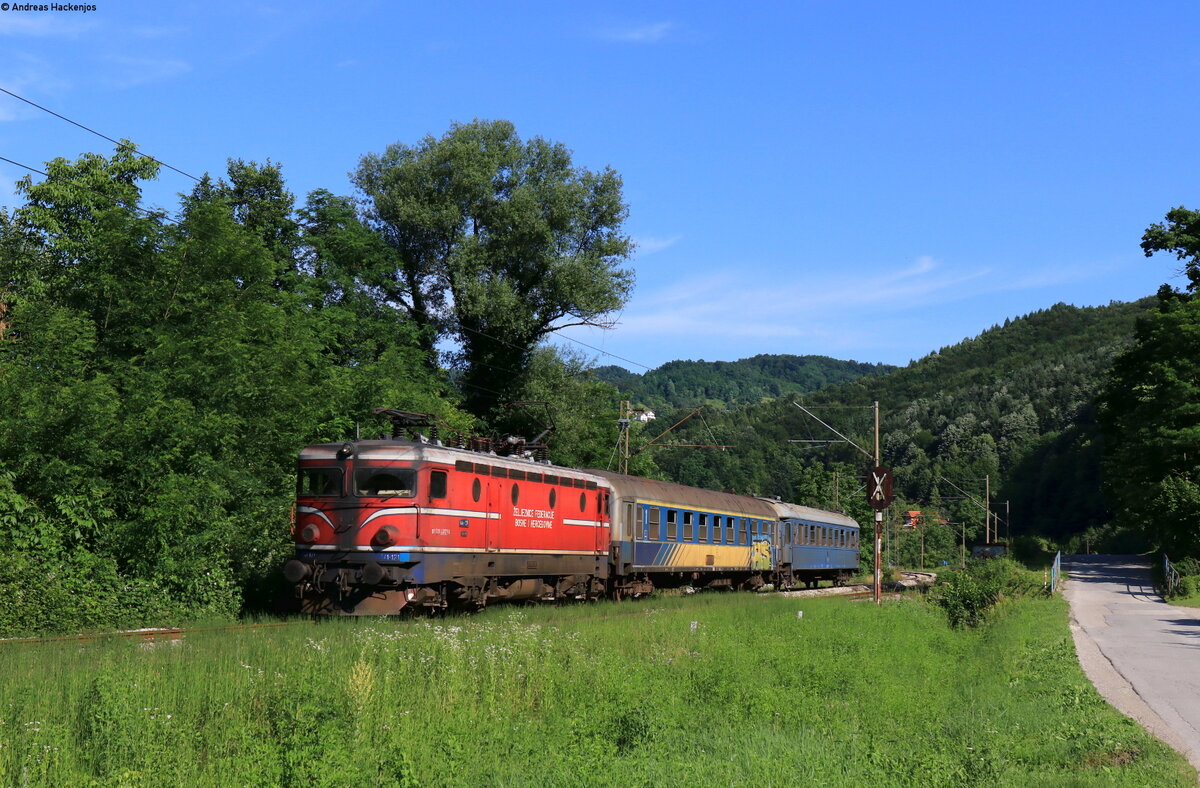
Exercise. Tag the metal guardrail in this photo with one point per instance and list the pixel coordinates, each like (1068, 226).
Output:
(1170, 575)
(1055, 572)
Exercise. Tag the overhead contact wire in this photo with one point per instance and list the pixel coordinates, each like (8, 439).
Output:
(98, 134)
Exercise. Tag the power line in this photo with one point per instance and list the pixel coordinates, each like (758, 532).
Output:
(118, 143)
(72, 182)
(605, 352)
(518, 347)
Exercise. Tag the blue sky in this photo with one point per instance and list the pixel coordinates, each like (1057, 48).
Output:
(861, 180)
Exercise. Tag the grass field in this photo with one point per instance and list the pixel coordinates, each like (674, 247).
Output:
(712, 689)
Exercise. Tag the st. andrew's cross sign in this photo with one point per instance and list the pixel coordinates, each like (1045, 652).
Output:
(879, 488)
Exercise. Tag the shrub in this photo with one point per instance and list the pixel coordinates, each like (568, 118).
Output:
(83, 591)
(967, 595)
(1188, 586)
(1188, 566)
(964, 599)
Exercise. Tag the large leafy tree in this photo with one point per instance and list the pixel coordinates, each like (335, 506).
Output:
(157, 378)
(495, 242)
(1151, 406)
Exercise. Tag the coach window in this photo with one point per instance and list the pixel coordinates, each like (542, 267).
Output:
(704, 537)
(476, 490)
(654, 523)
(671, 527)
(689, 532)
(552, 497)
(437, 484)
(741, 530)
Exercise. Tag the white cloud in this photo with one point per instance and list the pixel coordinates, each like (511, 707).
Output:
(43, 25)
(645, 34)
(158, 32)
(27, 76)
(131, 72)
(651, 245)
(726, 305)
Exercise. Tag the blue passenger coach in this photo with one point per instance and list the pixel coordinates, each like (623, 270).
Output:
(814, 545)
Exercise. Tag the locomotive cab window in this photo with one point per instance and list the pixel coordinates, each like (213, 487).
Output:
(319, 481)
(387, 482)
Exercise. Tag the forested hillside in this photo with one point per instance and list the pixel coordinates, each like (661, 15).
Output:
(1015, 404)
(689, 384)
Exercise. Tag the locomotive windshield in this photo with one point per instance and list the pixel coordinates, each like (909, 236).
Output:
(388, 482)
(319, 481)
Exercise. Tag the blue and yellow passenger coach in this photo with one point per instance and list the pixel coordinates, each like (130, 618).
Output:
(669, 535)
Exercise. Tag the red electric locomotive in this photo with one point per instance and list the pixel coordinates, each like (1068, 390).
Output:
(386, 524)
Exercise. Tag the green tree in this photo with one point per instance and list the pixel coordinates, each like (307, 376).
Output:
(495, 242)
(1150, 409)
(1179, 235)
(157, 379)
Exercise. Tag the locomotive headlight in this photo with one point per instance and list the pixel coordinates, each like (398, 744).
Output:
(308, 534)
(385, 536)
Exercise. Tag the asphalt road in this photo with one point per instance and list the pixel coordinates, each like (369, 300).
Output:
(1141, 653)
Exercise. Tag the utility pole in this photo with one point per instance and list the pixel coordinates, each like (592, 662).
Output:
(623, 438)
(623, 425)
(987, 509)
(879, 487)
(878, 520)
